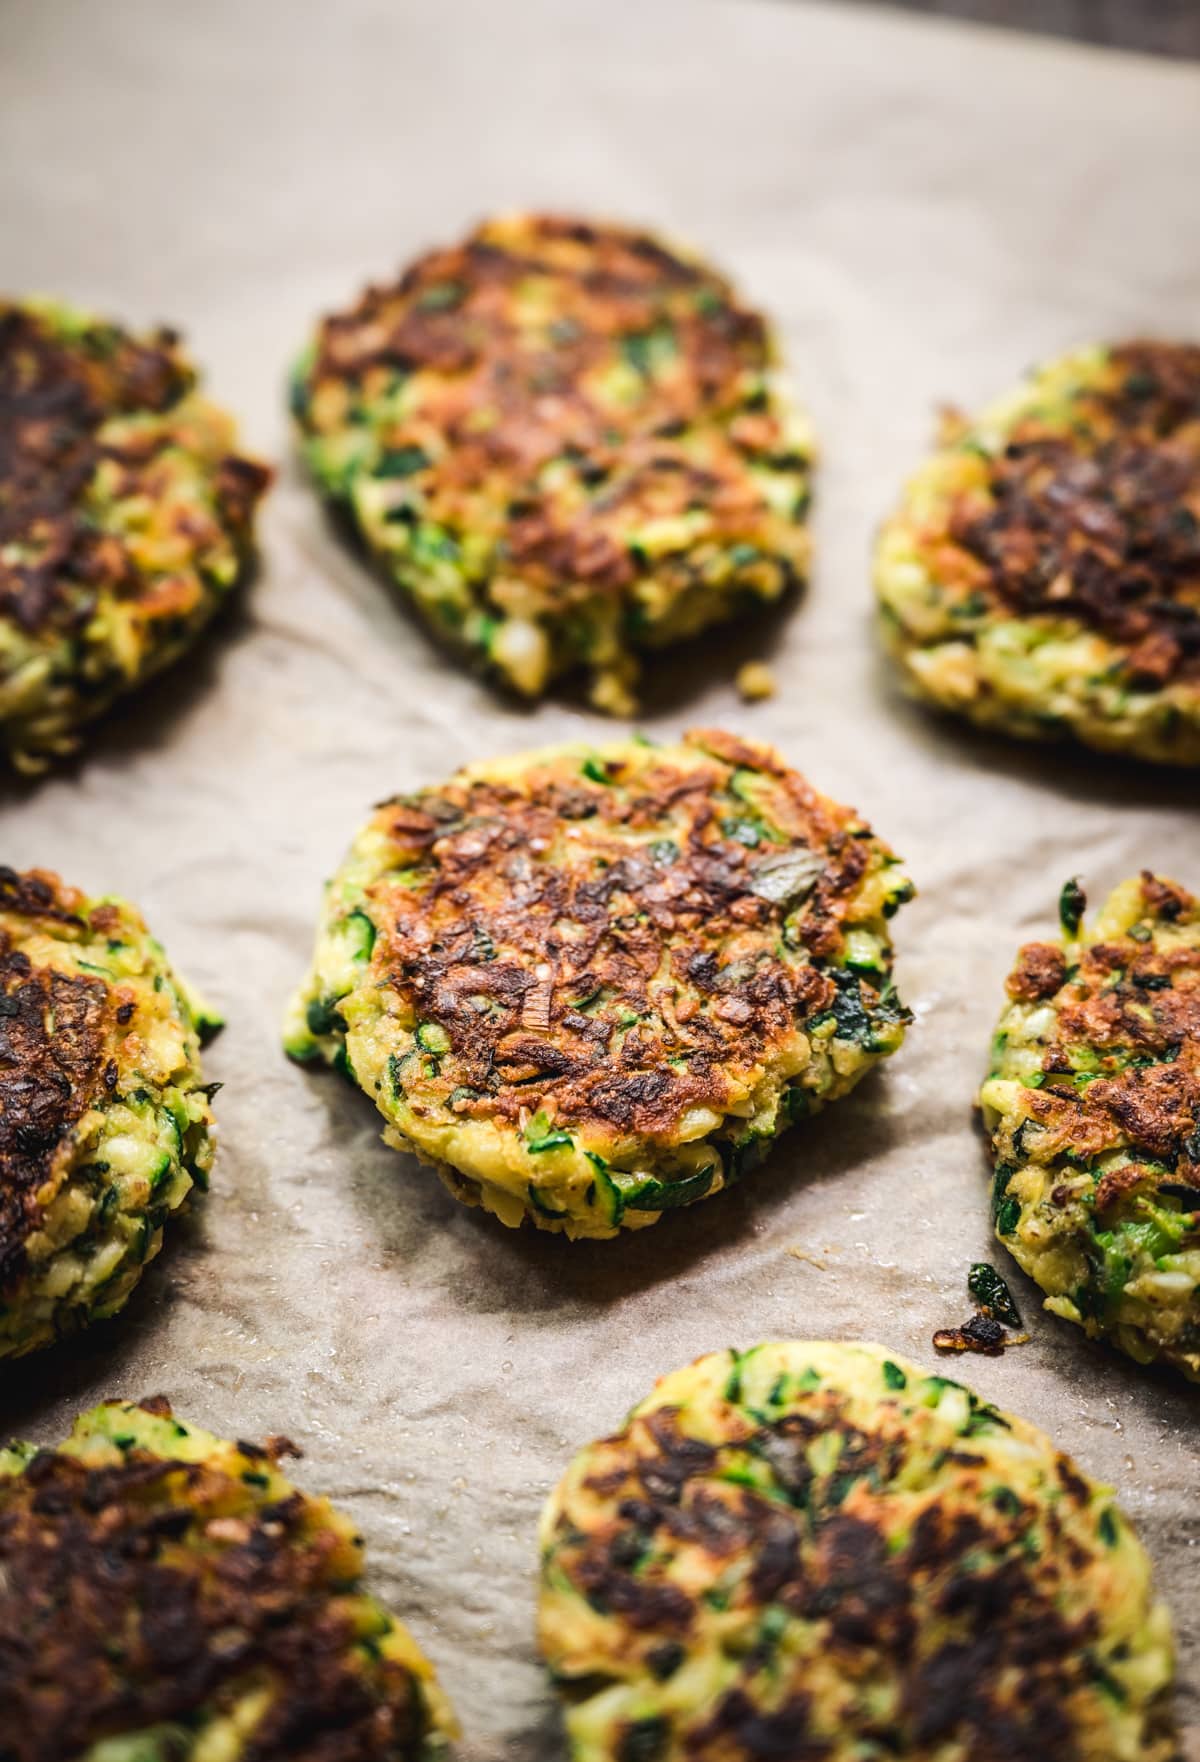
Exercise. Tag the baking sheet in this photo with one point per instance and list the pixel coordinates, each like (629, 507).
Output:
(925, 210)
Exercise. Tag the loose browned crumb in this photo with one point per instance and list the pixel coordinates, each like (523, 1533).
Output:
(755, 681)
(983, 1333)
(822, 1266)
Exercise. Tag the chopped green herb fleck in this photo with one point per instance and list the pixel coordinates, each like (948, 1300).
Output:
(1008, 1216)
(990, 1290)
(744, 831)
(1072, 903)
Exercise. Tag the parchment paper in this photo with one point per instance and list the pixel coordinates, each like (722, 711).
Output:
(925, 210)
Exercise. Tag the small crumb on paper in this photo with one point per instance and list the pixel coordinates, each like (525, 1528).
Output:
(982, 1332)
(755, 681)
(822, 1266)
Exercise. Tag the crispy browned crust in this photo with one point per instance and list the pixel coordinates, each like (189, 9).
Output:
(151, 1590)
(1101, 521)
(57, 1032)
(505, 409)
(1011, 1654)
(1040, 970)
(39, 894)
(533, 941)
(1138, 1008)
(55, 395)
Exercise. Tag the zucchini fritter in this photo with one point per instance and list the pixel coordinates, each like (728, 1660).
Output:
(820, 1551)
(126, 518)
(1093, 1106)
(166, 1596)
(565, 443)
(105, 1123)
(593, 984)
(1042, 575)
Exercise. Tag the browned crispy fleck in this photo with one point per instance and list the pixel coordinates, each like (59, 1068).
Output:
(39, 893)
(1164, 898)
(1040, 971)
(1117, 1183)
(1101, 521)
(209, 1587)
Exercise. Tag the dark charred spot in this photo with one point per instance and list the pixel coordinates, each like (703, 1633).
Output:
(864, 1601)
(664, 1660)
(950, 1696)
(777, 1560)
(738, 1727)
(1073, 1482)
(647, 1606)
(645, 1740)
(1164, 898)
(982, 1333)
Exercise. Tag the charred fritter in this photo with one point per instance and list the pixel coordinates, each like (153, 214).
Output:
(1093, 1105)
(166, 1596)
(105, 1123)
(1042, 575)
(591, 985)
(565, 443)
(820, 1553)
(126, 518)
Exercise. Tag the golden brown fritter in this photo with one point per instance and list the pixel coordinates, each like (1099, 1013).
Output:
(1093, 1104)
(105, 1123)
(565, 442)
(125, 518)
(162, 1587)
(821, 1553)
(593, 984)
(1043, 574)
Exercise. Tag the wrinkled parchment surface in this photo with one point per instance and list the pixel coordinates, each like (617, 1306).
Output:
(925, 210)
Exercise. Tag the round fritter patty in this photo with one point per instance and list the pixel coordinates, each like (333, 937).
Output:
(1093, 1105)
(166, 1596)
(565, 443)
(105, 1120)
(820, 1553)
(1042, 575)
(591, 985)
(126, 518)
